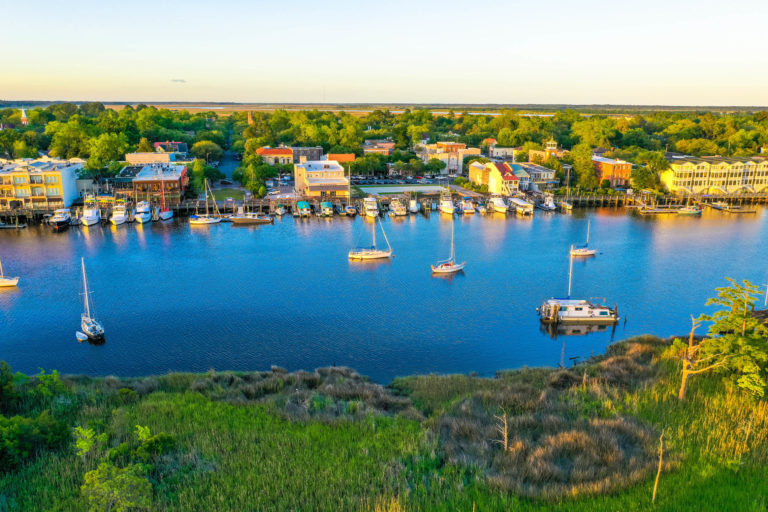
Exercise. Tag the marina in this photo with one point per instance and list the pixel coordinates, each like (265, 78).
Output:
(162, 289)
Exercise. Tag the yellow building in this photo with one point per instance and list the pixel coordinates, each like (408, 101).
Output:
(43, 183)
(321, 178)
(500, 177)
(716, 175)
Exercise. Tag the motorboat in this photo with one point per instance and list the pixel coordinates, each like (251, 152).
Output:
(7, 282)
(498, 204)
(467, 206)
(280, 210)
(548, 204)
(119, 213)
(448, 266)
(207, 218)
(326, 209)
(565, 206)
(88, 323)
(372, 252)
(521, 206)
(482, 209)
(303, 209)
(413, 206)
(91, 213)
(251, 218)
(61, 219)
(689, 210)
(576, 311)
(370, 207)
(143, 213)
(350, 210)
(446, 204)
(583, 250)
(397, 207)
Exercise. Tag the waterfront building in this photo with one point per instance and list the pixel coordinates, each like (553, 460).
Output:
(149, 158)
(542, 178)
(143, 182)
(504, 152)
(716, 175)
(618, 172)
(272, 156)
(550, 149)
(499, 177)
(321, 178)
(524, 178)
(451, 153)
(306, 154)
(341, 157)
(39, 183)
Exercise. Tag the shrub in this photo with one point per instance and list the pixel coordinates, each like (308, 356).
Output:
(127, 396)
(23, 438)
(115, 489)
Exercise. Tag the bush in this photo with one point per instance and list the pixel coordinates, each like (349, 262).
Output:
(115, 489)
(23, 438)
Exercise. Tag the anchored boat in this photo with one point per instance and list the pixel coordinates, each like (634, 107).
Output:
(576, 311)
(448, 266)
(7, 281)
(583, 250)
(88, 324)
(207, 218)
(372, 252)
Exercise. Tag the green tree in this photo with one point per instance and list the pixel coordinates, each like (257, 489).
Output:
(22, 150)
(198, 174)
(109, 488)
(106, 148)
(208, 150)
(145, 146)
(435, 166)
(605, 184)
(736, 344)
(583, 166)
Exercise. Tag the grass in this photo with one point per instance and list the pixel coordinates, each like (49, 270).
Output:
(222, 194)
(579, 439)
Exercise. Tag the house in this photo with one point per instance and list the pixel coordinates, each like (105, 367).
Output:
(524, 178)
(378, 146)
(504, 152)
(550, 149)
(172, 147)
(149, 158)
(321, 178)
(500, 177)
(451, 153)
(39, 183)
(618, 172)
(307, 154)
(341, 157)
(716, 175)
(542, 178)
(143, 182)
(274, 156)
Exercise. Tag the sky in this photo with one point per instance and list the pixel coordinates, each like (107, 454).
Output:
(587, 52)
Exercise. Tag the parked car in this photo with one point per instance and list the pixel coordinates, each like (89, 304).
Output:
(225, 182)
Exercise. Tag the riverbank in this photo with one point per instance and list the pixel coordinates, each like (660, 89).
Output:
(584, 438)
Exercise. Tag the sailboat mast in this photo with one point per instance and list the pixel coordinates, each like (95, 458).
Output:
(85, 290)
(162, 190)
(1, 270)
(374, 231)
(588, 222)
(570, 270)
(452, 224)
(206, 197)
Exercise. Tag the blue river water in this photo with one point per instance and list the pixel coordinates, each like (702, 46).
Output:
(175, 297)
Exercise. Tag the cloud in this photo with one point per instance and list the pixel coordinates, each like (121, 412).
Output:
(178, 80)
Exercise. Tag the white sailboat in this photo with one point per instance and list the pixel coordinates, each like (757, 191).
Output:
(448, 266)
(206, 218)
(7, 281)
(584, 250)
(372, 252)
(575, 311)
(89, 326)
(165, 213)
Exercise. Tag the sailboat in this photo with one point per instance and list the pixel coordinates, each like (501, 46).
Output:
(372, 252)
(448, 266)
(90, 327)
(584, 250)
(575, 311)
(7, 281)
(206, 218)
(165, 213)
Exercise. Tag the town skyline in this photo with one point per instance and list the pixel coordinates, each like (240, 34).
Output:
(346, 53)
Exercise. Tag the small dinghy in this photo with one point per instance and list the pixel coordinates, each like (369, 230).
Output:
(81, 337)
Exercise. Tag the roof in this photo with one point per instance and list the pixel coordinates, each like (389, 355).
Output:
(342, 157)
(158, 172)
(320, 165)
(172, 146)
(507, 174)
(519, 171)
(611, 161)
(274, 151)
(39, 165)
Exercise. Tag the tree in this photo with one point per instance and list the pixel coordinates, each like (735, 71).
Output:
(582, 165)
(145, 146)
(117, 489)
(198, 174)
(605, 184)
(106, 148)
(208, 150)
(736, 344)
(435, 166)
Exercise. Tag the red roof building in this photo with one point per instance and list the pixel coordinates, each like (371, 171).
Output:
(274, 156)
(342, 157)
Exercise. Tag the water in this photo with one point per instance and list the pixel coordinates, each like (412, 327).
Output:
(175, 297)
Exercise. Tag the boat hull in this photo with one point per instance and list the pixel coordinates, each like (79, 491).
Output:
(202, 221)
(143, 218)
(369, 255)
(246, 221)
(118, 219)
(165, 215)
(582, 253)
(8, 282)
(452, 269)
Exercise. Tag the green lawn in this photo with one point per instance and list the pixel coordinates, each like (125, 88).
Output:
(222, 194)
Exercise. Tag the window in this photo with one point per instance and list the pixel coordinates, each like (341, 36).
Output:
(38, 191)
(53, 191)
(51, 179)
(19, 180)
(22, 192)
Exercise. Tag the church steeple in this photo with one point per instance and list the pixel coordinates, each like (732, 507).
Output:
(24, 119)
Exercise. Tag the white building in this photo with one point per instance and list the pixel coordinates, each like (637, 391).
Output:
(321, 178)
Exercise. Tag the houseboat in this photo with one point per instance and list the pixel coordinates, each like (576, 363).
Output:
(326, 209)
(498, 204)
(303, 209)
(521, 206)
